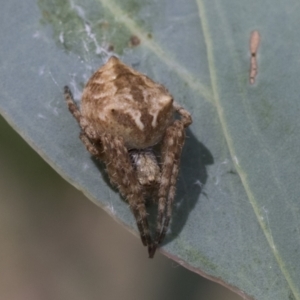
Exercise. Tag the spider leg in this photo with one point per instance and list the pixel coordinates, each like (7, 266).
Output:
(185, 116)
(73, 108)
(84, 136)
(93, 148)
(122, 174)
(179, 141)
(171, 152)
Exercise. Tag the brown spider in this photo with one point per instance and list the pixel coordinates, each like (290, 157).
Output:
(123, 114)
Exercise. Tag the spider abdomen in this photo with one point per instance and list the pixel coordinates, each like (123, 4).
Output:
(123, 102)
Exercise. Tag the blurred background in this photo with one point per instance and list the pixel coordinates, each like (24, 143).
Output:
(56, 244)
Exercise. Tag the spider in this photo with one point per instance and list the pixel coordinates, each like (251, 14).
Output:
(123, 115)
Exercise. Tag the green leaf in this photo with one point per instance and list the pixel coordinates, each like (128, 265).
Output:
(236, 216)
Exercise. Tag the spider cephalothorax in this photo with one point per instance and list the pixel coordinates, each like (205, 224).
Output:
(123, 114)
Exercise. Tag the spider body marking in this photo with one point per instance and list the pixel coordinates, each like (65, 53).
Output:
(123, 114)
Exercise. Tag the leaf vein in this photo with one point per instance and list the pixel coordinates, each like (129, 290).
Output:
(259, 214)
(184, 74)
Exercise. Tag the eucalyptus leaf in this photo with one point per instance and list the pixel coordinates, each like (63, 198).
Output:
(236, 216)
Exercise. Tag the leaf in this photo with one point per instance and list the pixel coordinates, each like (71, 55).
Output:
(236, 216)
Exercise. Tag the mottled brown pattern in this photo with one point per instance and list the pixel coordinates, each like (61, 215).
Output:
(123, 114)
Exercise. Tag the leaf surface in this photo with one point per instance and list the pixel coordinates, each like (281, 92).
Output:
(236, 216)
